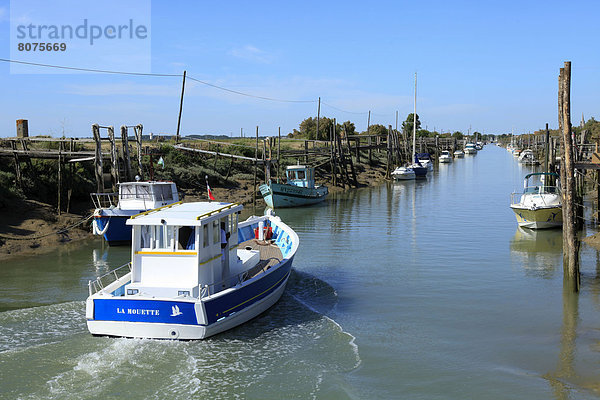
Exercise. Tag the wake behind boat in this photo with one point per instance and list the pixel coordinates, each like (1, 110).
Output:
(194, 272)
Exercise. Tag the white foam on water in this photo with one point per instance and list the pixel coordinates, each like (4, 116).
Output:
(352, 341)
(31, 327)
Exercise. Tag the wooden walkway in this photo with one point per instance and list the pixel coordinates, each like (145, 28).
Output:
(270, 255)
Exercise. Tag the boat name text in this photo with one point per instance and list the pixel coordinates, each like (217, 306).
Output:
(137, 311)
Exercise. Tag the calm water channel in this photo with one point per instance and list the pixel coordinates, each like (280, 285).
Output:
(415, 290)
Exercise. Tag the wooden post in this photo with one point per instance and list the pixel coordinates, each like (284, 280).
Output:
(138, 140)
(60, 145)
(570, 242)
(177, 137)
(306, 151)
(126, 158)
(350, 158)
(318, 118)
(547, 149)
(98, 159)
(114, 169)
(278, 154)
(18, 177)
(255, 169)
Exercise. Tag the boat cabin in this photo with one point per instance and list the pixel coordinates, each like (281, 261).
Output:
(187, 250)
(300, 175)
(146, 195)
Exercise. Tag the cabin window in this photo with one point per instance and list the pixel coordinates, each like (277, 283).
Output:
(186, 238)
(291, 175)
(163, 235)
(146, 240)
(233, 224)
(127, 191)
(216, 232)
(143, 192)
(301, 175)
(163, 192)
(205, 235)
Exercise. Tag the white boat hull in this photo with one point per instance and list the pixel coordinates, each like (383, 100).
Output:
(183, 331)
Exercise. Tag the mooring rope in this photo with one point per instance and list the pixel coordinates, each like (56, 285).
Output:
(61, 231)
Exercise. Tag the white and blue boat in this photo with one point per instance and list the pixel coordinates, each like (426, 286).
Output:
(194, 272)
(300, 189)
(112, 210)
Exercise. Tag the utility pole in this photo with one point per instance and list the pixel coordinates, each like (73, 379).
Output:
(177, 138)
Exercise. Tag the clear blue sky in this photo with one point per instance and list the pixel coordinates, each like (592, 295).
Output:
(489, 65)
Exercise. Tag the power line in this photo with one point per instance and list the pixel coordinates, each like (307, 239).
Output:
(103, 71)
(250, 95)
(348, 112)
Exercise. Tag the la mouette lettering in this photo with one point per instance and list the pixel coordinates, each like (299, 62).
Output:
(137, 311)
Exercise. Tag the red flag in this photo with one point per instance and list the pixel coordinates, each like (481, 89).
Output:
(210, 195)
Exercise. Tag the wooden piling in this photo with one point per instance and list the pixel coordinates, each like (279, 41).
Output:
(114, 169)
(126, 157)
(138, 141)
(255, 169)
(98, 159)
(60, 145)
(570, 242)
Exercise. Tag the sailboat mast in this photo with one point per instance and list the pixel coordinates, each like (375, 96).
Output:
(415, 124)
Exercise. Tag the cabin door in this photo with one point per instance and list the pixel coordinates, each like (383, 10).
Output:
(225, 234)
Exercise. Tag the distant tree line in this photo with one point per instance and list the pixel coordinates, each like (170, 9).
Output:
(308, 129)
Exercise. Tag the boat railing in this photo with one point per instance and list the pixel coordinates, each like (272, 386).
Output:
(103, 281)
(231, 281)
(516, 197)
(104, 200)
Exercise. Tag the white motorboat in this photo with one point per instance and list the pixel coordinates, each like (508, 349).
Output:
(539, 205)
(445, 157)
(527, 157)
(459, 154)
(194, 272)
(470, 148)
(403, 174)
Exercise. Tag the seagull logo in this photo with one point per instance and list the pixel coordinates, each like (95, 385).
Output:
(175, 311)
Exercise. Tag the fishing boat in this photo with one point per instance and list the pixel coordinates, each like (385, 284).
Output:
(539, 205)
(403, 174)
(459, 154)
(300, 189)
(470, 148)
(195, 271)
(112, 210)
(445, 157)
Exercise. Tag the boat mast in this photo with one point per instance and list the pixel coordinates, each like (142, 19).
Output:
(414, 152)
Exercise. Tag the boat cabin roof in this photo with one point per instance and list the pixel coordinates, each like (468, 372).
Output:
(541, 173)
(297, 167)
(185, 214)
(145, 183)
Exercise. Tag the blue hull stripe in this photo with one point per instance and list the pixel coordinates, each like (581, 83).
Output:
(158, 311)
(244, 297)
